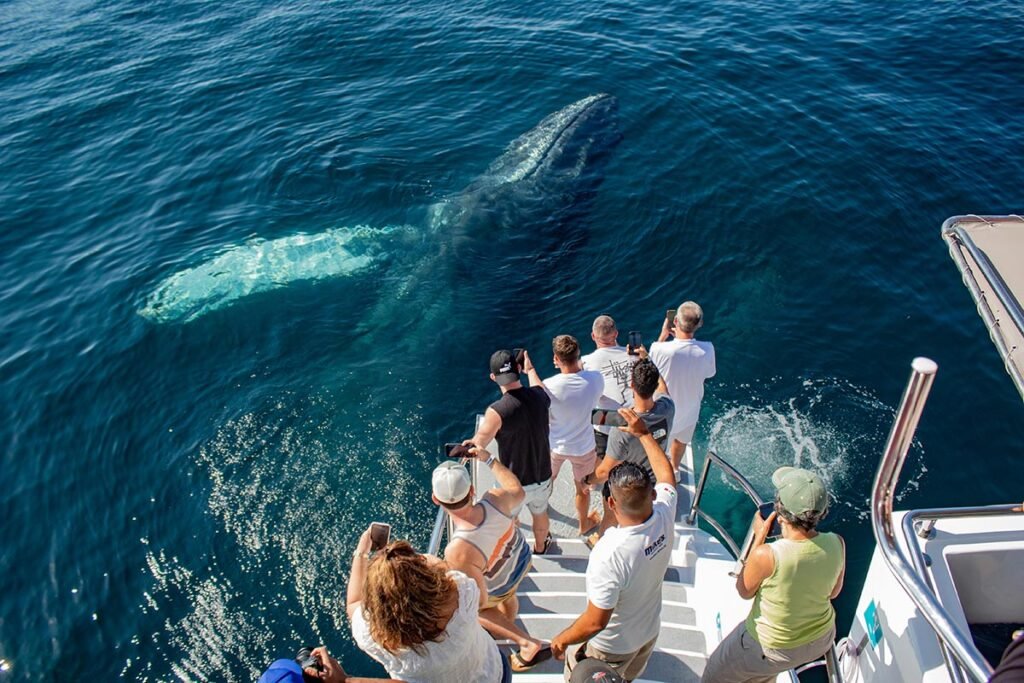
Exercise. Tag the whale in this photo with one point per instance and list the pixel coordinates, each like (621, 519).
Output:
(539, 181)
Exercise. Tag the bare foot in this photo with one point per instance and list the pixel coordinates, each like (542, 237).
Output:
(593, 519)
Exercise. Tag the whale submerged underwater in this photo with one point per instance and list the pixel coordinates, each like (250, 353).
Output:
(541, 179)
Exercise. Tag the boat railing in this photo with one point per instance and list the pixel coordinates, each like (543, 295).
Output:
(961, 656)
(696, 510)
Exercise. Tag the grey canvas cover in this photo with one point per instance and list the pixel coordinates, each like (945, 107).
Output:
(989, 251)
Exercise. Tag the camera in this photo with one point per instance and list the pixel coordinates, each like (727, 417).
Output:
(305, 659)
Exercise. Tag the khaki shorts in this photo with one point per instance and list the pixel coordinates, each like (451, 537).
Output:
(741, 659)
(629, 665)
(582, 465)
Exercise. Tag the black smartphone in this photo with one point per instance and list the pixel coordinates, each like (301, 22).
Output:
(606, 417)
(670, 315)
(456, 450)
(380, 534)
(634, 343)
(520, 356)
(766, 510)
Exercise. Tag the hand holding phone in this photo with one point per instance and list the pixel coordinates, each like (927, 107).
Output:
(765, 511)
(457, 450)
(636, 340)
(380, 535)
(670, 316)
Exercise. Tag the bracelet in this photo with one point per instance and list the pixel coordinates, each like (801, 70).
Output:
(491, 460)
(356, 555)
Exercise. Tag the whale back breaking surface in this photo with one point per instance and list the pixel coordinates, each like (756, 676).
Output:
(541, 178)
(263, 265)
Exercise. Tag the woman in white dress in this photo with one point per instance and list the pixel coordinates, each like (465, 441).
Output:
(419, 619)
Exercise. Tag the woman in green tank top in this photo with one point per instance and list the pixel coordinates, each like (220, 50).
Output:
(792, 580)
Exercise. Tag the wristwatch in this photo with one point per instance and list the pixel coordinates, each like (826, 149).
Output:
(491, 460)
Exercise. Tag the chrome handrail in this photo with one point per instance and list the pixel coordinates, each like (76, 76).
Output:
(740, 552)
(882, 496)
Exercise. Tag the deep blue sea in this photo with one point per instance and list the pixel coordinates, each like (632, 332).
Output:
(180, 499)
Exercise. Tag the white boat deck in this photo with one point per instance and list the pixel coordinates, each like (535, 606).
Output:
(697, 596)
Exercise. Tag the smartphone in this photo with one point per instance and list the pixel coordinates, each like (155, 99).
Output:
(456, 450)
(520, 356)
(670, 315)
(380, 534)
(635, 342)
(606, 417)
(766, 510)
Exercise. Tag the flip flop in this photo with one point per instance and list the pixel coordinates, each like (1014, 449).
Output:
(520, 665)
(595, 523)
(544, 550)
(591, 540)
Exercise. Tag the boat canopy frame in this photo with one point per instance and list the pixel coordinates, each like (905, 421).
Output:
(987, 251)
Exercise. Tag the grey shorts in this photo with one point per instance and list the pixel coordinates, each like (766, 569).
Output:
(741, 659)
(536, 500)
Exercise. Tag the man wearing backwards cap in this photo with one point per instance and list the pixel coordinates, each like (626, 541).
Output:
(792, 581)
(488, 546)
(518, 421)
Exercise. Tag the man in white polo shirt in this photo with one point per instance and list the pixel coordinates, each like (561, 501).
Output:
(627, 566)
(685, 363)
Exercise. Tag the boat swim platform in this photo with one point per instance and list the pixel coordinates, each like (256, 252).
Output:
(699, 600)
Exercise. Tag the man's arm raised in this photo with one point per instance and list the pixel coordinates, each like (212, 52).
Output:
(510, 492)
(660, 463)
(531, 372)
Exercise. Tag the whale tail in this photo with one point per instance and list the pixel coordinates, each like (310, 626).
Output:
(265, 265)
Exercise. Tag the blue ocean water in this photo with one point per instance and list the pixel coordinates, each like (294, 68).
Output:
(180, 500)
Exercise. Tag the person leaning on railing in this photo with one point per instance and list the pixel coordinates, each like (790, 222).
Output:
(419, 619)
(792, 580)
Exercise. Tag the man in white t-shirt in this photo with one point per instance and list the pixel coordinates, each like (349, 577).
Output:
(574, 393)
(627, 566)
(614, 364)
(685, 363)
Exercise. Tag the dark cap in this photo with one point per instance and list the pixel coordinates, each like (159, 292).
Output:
(504, 367)
(592, 670)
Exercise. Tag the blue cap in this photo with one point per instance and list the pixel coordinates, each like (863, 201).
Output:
(282, 671)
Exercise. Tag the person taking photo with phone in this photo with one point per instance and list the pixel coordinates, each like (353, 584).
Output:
(685, 363)
(793, 581)
(419, 618)
(488, 546)
(518, 421)
(652, 403)
(614, 363)
(574, 393)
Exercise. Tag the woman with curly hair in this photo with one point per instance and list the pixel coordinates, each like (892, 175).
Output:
(419, 619)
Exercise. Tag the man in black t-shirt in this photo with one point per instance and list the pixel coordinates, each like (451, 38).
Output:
(518, 421)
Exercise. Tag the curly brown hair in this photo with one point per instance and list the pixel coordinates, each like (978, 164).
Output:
(404, 598)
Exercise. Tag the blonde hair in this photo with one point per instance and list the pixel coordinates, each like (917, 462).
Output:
(404, 598)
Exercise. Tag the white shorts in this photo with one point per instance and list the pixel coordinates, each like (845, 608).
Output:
(683, 434)
(536, 500)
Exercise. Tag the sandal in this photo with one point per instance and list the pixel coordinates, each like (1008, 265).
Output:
(544, 550)
(591, 540)
(595, 522)
(520, 665)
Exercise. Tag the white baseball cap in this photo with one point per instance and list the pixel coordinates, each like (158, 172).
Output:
(450, 482)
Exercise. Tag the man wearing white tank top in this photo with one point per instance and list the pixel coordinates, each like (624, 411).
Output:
(488, 546)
